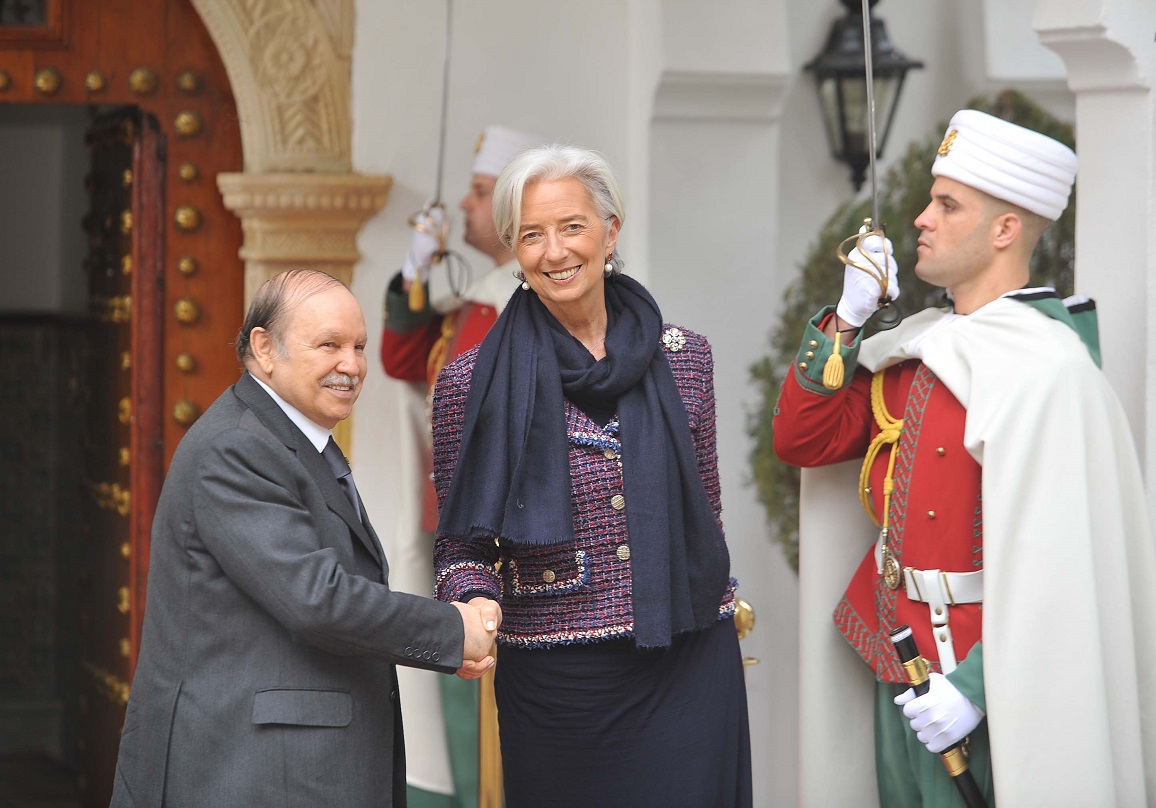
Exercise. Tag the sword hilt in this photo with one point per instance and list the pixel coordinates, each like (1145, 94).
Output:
(954, 757)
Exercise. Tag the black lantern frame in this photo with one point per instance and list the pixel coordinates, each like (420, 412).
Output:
(840, 75)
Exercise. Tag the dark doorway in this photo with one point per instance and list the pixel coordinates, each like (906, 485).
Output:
(42, 326)
(80, 383)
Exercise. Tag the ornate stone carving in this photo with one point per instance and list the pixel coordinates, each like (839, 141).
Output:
(301, 220)
(289, 67)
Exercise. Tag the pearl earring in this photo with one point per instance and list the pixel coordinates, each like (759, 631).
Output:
(525, 286)
(609, 268)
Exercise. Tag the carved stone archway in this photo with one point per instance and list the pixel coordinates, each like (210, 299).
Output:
(289, 66)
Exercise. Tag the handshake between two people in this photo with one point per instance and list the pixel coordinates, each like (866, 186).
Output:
(481, 618)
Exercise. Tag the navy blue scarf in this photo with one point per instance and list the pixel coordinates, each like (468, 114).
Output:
(512, 479)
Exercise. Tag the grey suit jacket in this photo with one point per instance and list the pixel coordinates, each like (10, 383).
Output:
(266, 671)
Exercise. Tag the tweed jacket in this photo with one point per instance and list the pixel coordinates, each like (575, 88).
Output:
(579, 592)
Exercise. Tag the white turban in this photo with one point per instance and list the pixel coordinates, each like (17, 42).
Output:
(497, 146)
(1008, 162)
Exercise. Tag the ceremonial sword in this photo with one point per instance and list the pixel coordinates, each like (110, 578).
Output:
(422, 219)
(868, 60)
(888, 314)
(954, 758)
(437, 200)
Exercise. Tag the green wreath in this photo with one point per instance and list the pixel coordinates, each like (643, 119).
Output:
(903, 194)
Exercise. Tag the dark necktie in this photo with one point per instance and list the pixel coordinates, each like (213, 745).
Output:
(340, 468)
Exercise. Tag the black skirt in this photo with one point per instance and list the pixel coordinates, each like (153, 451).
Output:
(607, 726)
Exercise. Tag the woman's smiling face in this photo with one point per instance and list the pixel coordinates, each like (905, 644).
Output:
(562, 244)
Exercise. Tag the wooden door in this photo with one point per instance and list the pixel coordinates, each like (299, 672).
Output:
(123, 449)
(158, 56)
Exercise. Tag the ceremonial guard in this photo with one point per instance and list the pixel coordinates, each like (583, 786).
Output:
(416, 344)
(435, 311)
(999, 470)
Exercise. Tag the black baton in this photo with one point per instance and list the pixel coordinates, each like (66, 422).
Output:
(915, 666)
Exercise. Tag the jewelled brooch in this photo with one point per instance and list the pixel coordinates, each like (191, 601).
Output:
(673, 340)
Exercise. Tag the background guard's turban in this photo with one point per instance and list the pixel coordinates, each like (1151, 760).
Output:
(497, 146)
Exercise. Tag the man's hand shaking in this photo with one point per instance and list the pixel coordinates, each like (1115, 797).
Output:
(481, 618)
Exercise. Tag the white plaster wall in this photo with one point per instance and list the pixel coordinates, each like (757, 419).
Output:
(714, 156)
(1110, 60)
(42, 165)
(711, 274)
(1011, 46)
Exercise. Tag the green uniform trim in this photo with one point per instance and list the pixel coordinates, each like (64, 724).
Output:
(396, 314)
(461, 701)
(910, 776)
(814, 350)
(968, 677)
(420, 798)
(1081, 318)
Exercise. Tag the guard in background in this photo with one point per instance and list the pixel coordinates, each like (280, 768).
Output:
(417, 341)
(415, 345)
(1002, 476)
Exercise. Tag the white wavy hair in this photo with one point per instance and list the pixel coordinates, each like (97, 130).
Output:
(556, 162)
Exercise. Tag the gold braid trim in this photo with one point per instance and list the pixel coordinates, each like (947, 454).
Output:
(438, 354)
(889, 429)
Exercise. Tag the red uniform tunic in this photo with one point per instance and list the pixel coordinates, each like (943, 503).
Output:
(418, 355)
(935, 510)
(416, 346)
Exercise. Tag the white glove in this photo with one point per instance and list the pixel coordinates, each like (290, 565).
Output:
(424, 245)
(861, 290)
(942, 716)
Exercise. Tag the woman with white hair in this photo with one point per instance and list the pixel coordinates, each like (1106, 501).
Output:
(577, 477)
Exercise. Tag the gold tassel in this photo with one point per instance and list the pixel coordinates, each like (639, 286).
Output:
(833, 370)
(417, 296)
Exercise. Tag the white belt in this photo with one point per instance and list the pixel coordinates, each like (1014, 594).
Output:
(939, 590)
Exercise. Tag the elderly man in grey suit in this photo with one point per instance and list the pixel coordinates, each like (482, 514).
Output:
(266, 673)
